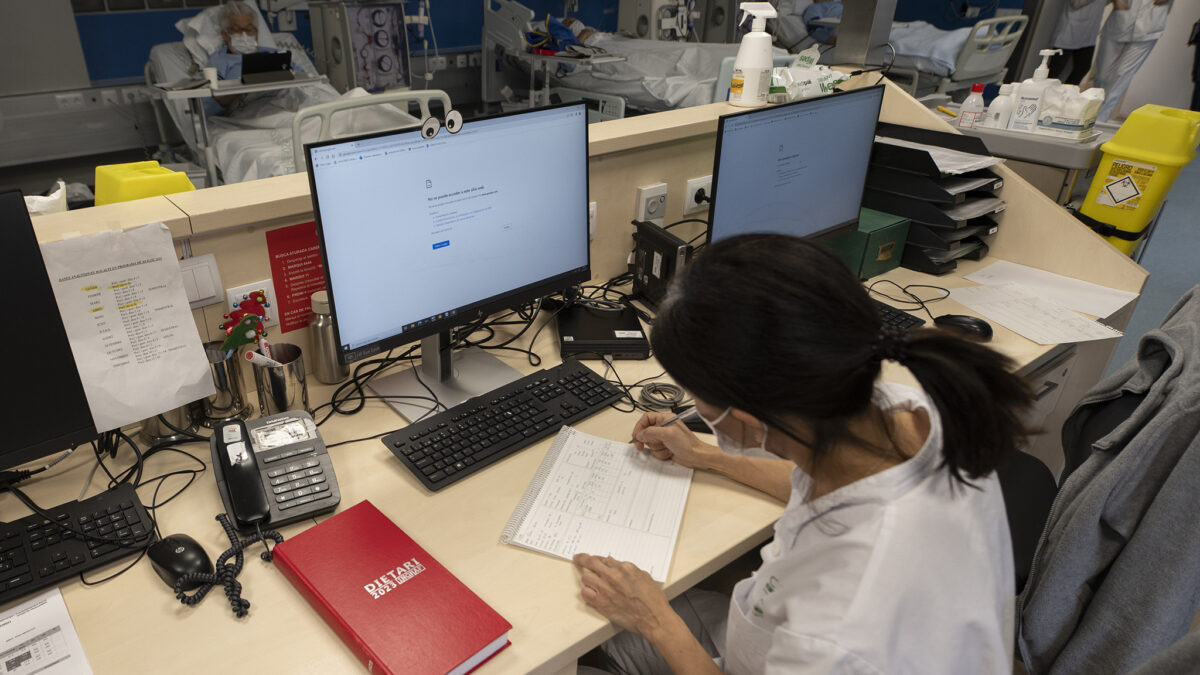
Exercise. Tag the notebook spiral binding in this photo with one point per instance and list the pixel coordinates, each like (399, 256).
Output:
(535, 486)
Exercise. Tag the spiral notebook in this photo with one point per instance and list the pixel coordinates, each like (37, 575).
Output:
(592, 495)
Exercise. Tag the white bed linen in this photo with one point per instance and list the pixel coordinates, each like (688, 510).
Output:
(655, 75)
(254, 138)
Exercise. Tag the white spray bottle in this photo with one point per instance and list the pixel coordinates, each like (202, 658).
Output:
(1029, 95)
(752, 67)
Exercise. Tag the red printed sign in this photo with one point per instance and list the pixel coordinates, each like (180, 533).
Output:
(297, 272)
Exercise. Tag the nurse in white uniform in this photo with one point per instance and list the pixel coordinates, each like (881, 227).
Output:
(893, 554)
(1075, 34)
(1126, 40)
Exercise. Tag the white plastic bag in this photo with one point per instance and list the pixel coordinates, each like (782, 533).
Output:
(56, 202)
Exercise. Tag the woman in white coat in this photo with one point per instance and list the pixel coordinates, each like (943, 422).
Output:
(1126, 40)
(1075, 34)
(893, 554)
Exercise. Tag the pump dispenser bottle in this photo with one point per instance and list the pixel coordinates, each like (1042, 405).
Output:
(1029, 95)
(752, 68)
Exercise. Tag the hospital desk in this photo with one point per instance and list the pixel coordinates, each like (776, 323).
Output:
(133, 624)
(195, 100)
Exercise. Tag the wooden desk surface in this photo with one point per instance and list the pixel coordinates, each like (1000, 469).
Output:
(133, 624)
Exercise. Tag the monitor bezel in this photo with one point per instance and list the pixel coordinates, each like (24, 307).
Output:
(61, 440)
(472, 311)
(820, 234)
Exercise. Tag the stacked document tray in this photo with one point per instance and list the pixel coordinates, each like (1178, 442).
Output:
(943, 184)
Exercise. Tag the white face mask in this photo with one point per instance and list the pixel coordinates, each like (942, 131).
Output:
(241, 43)
(727, 444)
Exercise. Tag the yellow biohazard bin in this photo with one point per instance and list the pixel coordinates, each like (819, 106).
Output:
(1139, 166)
(125, 182)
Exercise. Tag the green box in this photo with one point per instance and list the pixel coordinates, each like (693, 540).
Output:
(875, 247)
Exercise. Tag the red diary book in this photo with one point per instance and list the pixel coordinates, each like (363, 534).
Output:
(395, 606)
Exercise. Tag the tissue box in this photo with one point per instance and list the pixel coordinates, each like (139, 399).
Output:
(1073, 128)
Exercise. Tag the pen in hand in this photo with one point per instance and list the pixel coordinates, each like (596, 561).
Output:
(674, 418)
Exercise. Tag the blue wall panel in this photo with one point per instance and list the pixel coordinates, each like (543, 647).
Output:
(116, 45)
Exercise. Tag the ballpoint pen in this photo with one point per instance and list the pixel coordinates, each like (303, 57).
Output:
(674, 418)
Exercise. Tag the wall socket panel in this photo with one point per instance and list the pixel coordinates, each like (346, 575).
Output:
(690, 205)
(651, 203)
(235, 294)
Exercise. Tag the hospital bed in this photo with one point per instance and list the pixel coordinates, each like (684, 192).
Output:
(928, 58)
(255, 138)
(641, 75)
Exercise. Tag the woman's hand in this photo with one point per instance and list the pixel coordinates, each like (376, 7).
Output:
(623, 593)
(675, 442)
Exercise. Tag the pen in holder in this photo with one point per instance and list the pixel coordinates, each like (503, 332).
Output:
(282, 387)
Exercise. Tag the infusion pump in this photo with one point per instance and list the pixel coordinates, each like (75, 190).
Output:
(670, 20)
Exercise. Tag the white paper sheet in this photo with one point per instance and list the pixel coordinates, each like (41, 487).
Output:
(37, 636)
(949, 162)
(601, 497)
(132, 334)
(1022, 311)
(1081, 296)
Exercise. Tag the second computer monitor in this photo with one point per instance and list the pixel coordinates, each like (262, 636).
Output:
(798, 168)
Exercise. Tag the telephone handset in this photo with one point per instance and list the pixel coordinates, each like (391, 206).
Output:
(247, 496)
(273, 470)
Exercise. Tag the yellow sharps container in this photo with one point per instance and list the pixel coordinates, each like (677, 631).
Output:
(125, 182)
(1139, 166)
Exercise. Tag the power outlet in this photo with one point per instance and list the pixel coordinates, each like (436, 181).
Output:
(460, 61)
(72, 101)
(473, 59)
(651, 203)
(237, 293)
(694, 186)
(591, 220)
(110, 97)
(437, 63)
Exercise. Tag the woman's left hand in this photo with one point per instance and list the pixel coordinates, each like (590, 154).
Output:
(623, 593)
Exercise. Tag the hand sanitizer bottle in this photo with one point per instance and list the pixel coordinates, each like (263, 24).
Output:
(1029, 97)
(752, 68)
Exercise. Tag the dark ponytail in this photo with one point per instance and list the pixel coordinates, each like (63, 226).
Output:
(779, 327)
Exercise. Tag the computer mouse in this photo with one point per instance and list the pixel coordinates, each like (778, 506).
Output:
(972, 325)
(177, 555)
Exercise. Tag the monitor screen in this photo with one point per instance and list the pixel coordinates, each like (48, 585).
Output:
(798, 168)
(44, 395)
(421, 234)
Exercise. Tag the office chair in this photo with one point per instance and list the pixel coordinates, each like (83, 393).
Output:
(1028, 487)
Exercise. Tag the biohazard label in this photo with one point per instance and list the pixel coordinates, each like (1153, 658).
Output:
(1126, 183)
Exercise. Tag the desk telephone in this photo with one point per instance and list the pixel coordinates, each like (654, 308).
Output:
(273, 470)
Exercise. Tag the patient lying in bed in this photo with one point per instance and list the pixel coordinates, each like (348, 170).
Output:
(240, 34)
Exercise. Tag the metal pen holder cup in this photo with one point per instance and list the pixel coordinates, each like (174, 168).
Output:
(283, 387)
(227, 403)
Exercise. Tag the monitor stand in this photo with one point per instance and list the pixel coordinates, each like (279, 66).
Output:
(471, 372)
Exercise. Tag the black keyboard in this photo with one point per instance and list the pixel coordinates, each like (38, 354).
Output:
(454, 444)
(35, 552)
(898, 318)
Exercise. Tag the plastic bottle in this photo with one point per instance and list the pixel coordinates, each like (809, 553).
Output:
(325, 366)
(1029, 98)
(752, 67)
(971, 114)
(999, 113)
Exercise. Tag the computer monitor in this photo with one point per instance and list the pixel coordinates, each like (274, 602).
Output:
(419, 235)
(798, 168)
(45, 398)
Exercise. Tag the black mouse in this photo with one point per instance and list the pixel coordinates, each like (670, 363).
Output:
(972, 325)
(177, 555)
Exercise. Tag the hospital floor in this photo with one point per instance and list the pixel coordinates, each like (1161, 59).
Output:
(1170, 257)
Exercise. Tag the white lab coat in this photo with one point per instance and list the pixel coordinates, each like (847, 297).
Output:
(902, 572)
(1143, 21)
(1077, 25)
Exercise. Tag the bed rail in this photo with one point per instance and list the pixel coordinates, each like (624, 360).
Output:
(325, 111)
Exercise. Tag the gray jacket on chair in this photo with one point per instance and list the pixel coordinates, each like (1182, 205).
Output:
(1116, 577)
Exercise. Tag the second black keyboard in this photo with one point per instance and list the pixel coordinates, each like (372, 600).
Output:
(898, 318)
(453, 444)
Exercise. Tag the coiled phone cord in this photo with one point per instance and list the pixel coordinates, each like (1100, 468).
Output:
(225, 573)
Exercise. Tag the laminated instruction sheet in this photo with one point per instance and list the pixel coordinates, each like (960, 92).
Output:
(127, 317)
(601, 497)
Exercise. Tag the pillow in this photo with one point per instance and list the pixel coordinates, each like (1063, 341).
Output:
(202, 33)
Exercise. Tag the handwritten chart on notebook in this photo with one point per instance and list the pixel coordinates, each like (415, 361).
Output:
(593, 495)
